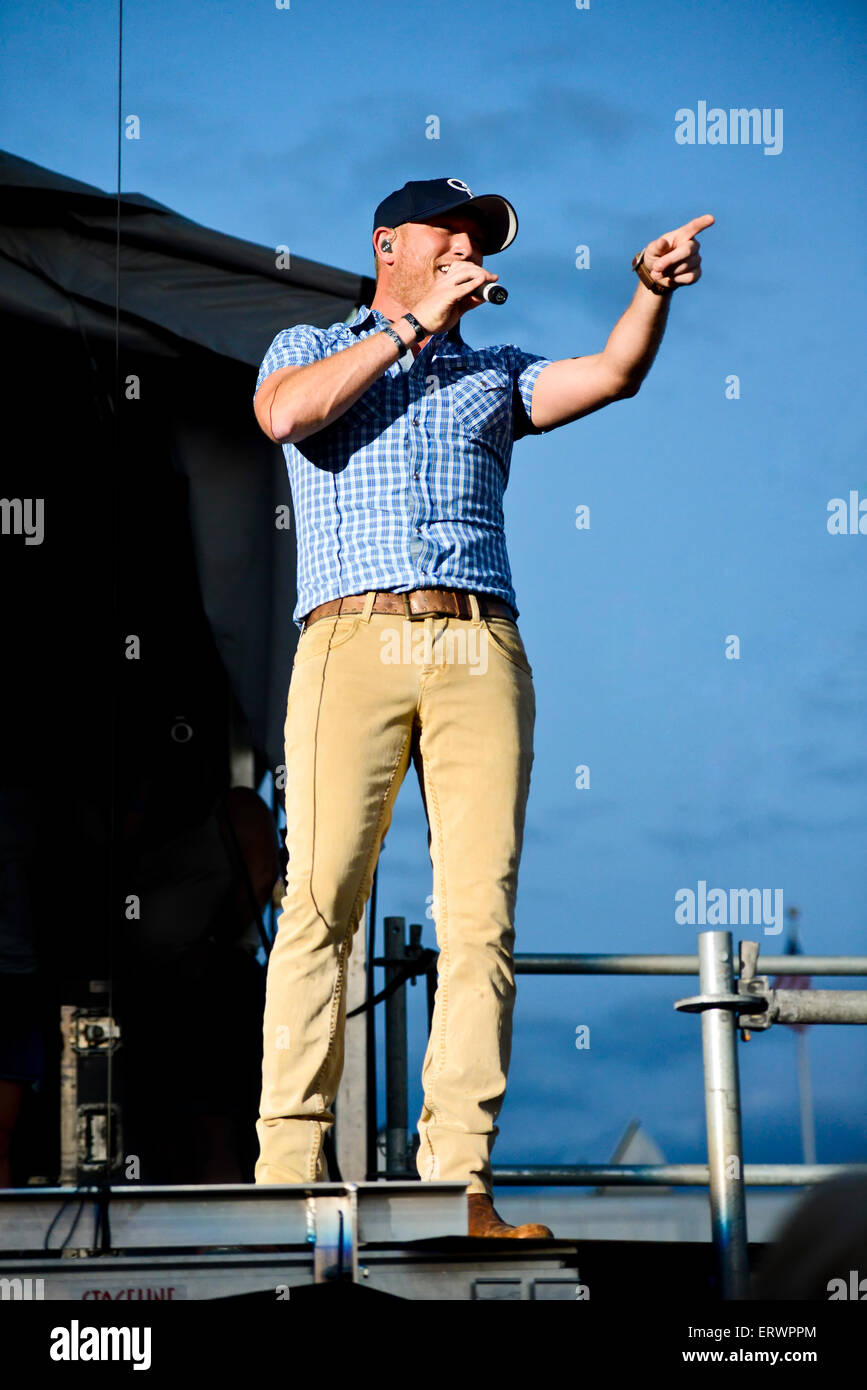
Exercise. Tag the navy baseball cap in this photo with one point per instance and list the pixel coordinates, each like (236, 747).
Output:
(422, 199)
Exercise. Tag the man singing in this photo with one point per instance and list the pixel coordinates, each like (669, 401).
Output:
(398, 438)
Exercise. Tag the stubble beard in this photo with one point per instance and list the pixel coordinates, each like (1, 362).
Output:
(409, 286)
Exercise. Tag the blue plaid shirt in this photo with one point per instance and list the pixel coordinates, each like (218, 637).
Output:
(405, 489)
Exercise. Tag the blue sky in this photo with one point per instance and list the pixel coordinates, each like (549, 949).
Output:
(708, 515)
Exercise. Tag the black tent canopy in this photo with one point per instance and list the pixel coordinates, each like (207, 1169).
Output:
(159, 510)
(180, 283)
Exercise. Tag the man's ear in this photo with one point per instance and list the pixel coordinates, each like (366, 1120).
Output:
(387, 240)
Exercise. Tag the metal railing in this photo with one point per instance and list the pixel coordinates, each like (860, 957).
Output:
(732, 998)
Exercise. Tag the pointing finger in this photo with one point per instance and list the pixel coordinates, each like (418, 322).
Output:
(689, 229)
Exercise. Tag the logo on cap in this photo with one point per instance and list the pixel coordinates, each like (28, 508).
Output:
(459, 183)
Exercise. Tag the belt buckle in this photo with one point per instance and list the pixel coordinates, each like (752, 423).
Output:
(433, 612)
(410, 615)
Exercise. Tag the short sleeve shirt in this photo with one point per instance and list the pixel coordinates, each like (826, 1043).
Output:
(405, 489)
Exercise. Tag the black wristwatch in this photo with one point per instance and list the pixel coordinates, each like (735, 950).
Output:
(416, 327)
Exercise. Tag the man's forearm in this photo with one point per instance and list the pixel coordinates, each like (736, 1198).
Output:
(310, 398)
(634, 339)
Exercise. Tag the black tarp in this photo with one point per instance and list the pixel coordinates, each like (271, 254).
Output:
(180, 283)
(197, 311)
(159, 542)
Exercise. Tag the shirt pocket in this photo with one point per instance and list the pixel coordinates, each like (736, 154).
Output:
(481, 402)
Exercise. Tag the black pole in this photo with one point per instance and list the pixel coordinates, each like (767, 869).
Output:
(396, 1098)
(370, 1025)
(431, 983)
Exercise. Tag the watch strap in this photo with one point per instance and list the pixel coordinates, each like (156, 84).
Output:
(402, 347)
(645, 277)
(417, 328)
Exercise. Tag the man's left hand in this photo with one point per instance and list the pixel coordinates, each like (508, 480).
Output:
(673, 259)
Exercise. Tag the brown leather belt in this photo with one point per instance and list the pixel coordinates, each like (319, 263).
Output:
(416, 604)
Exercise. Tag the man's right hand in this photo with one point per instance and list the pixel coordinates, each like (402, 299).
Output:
(453, 296)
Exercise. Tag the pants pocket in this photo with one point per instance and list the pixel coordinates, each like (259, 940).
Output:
(507, 639)
(325, 635)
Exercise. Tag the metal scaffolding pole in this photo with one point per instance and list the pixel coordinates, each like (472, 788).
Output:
(723, 1114)
(666, 1174)
(805, 1095)
(818, 1006)
(619, 964)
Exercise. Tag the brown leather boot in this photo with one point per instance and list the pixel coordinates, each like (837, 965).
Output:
(485, 1221)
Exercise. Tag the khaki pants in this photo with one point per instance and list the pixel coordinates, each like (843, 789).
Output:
(368, 692)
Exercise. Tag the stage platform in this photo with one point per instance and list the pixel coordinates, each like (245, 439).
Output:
(399, 1239)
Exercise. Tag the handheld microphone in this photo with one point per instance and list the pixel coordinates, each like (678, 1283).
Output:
(494, 294)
